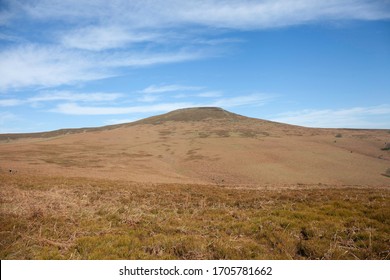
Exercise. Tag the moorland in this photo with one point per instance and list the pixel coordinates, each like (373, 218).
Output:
(198, 183)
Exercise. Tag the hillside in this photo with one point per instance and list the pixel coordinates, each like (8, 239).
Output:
(203, 145)
(198, 183)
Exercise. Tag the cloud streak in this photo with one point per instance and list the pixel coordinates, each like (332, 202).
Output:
(99, 38)
(50, 96)
(169, 88)
(357, 117)
(75, 109)
(7, 122)
(234, 14)
(49, 66)
(252, 99)
(34, 65)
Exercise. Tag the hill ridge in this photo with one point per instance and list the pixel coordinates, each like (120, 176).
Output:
(192, 114)
(183, 114)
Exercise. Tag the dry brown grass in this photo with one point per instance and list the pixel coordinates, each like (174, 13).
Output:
(75, 218)
(387, 172)
(225, 147)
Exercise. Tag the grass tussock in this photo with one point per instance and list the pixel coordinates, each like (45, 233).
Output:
(58, 218)
(386, 147)
(387, 172)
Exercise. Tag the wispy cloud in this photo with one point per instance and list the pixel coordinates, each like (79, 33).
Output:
(75, 109)
(119, 121)
(279, 13)
(252, 99)
(72, 96)
(205, 94)
(98, 38)
(47, 66)
(50, 96)
(216, 13)
(169, 88)
(10, 38)
(148, 98)
(6, 116)
(11, 102)
(33, 65)
(148, 58)
(5, 119)
(6, 14)
(210, 94)
(357, 117)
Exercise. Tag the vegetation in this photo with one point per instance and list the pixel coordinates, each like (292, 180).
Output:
(338, 135)
(62, 218)
(386, 147)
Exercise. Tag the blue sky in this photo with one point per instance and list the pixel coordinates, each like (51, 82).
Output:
(83, 63)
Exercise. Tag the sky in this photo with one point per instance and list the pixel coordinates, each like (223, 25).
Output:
(88, 63)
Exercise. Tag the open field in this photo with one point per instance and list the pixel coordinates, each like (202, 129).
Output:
(75, 218)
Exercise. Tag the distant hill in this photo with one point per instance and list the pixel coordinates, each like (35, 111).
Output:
(192, 114)
(180, 115)
(204, 145)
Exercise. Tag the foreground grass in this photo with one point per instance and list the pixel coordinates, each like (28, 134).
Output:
(58, 218)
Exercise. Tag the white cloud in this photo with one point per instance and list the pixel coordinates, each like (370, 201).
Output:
(244, 14)
(152, 93)
(252, 99)
(7, 122)
(98, 38)
(48, 96)
(10, 102)
(148, 98)
(10, 38)
(7, 116)
(206, 94)
(73, 97)
(75, 109)
(47, 66)
(6, 15)
(210, 94)
(139, 59)
(180, 95)
(279, 13)
(169, 88)
(358, 117)
(119, 121)
(34, 65)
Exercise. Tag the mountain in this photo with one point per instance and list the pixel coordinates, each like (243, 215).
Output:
(193, 114)
(189, 114)
(203, 145)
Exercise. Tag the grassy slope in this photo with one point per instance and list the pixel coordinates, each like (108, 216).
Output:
(183, 115)
(231, 150)
(65, 218)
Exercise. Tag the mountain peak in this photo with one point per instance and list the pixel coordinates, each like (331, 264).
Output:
(192, 114)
